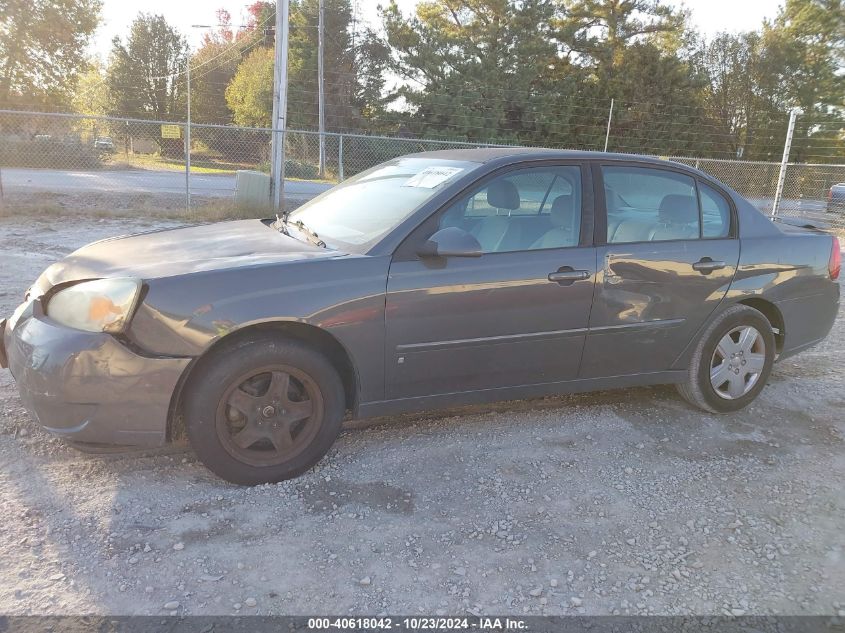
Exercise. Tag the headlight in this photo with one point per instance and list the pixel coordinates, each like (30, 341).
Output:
(104, 305)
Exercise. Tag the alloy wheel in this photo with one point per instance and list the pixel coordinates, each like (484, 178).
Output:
(737, 362)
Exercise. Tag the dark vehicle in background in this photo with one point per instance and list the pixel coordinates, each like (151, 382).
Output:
(429, 281)
(836, 199)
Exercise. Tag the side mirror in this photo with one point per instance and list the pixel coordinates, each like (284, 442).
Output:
(450, 242)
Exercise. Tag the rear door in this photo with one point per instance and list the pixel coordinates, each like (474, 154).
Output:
(667, 253)
(515, 316)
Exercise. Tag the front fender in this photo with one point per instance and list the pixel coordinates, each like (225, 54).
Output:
(185, 315)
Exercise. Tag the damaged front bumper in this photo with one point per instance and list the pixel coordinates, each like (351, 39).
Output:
(88, 387)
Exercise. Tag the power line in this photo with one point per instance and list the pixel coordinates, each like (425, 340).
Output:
(174, 75)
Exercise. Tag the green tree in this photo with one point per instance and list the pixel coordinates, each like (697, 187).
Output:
(371, 64)
(636, 52)
(601, 32)
(806, 45)
(354, 65)
(747, 110)
(146, 76)
(250, 93)
(474, 69)
(338, 66)
(213, 67)
(659, 105)
(215, 63)
(90, 95)
(42, 48)
(545, 71)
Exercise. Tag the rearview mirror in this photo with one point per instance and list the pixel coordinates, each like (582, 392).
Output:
(450, 242)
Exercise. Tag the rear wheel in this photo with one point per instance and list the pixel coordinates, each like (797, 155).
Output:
(732, 361)
(263, 410)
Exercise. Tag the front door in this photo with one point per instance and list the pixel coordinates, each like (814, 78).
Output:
(515, 316)
(668, 261)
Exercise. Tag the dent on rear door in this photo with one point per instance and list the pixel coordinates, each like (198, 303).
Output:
(650, 303)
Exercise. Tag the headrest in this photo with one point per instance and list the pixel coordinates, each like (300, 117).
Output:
(563, 208)
(678, 209)
(502, 194)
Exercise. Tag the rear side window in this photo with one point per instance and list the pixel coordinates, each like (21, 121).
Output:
(715, 212)
(650, 205)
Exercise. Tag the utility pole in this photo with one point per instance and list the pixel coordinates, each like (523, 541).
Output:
(188, 127)
(188, 141)
(787, 146)
(321, 89)
(280, 102)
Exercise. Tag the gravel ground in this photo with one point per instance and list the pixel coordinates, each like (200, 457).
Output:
(615, 502)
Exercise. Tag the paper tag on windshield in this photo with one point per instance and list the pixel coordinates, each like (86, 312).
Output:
(430, 177)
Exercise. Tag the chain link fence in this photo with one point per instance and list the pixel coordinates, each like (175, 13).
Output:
(72, 163)
(806, 189)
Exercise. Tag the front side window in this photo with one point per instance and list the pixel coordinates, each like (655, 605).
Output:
(649, 205)
(528, 209)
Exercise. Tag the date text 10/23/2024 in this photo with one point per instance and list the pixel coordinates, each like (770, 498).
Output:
(419, 623)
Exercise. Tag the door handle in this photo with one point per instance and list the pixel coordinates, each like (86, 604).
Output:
(706, 265)
(566, 275)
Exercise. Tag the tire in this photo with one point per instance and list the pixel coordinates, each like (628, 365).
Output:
(263, 410)
(741, 384)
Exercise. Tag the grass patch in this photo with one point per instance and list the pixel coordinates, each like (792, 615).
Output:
(36, 207)
(158, 163)
(146, 206)
(223, 211)
(294, 170)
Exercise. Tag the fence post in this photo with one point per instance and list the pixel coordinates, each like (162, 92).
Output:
(784, 162)
(340, 158)
(607, 133)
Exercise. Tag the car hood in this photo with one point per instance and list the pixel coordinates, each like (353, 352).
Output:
(170, 252)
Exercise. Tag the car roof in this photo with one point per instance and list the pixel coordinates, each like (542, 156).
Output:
(519, 154)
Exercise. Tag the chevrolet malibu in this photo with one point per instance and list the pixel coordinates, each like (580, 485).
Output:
(429, 281)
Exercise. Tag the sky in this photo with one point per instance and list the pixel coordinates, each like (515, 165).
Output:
(711, 16)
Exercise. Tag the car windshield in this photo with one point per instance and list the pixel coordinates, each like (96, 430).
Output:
(362, 210)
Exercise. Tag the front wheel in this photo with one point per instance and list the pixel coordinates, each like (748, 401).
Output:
(732, 361)
(263, 410)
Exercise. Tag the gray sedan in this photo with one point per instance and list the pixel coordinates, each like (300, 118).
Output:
(429, 281)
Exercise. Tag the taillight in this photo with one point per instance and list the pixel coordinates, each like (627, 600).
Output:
(834, 266)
